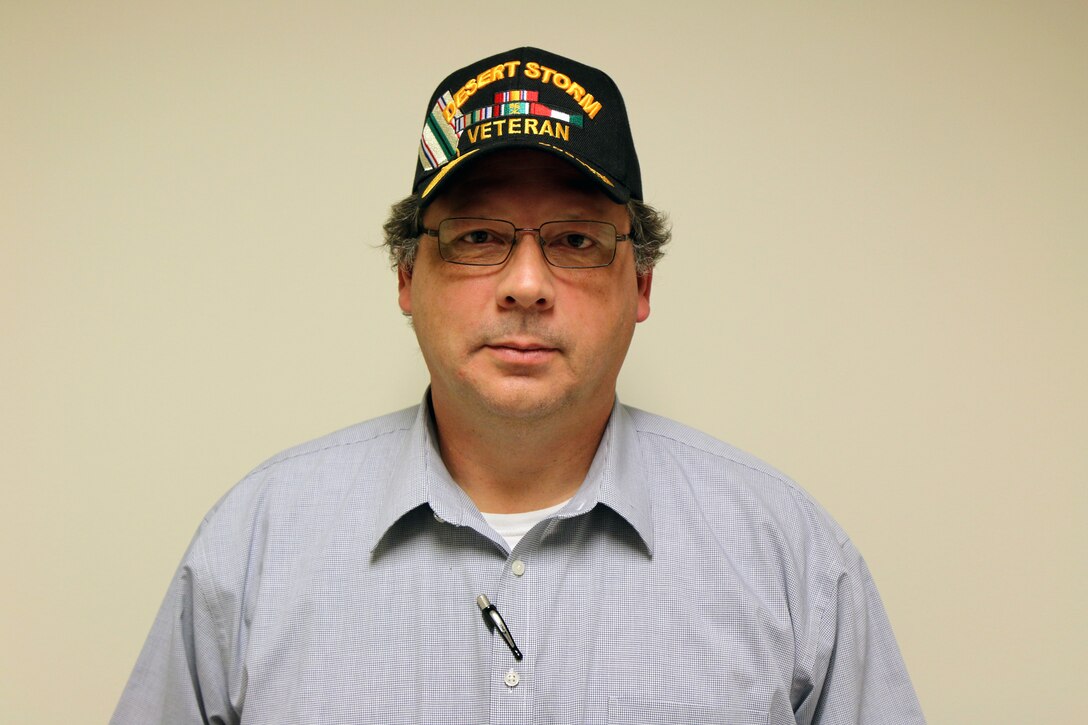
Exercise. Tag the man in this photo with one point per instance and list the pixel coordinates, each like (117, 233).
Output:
(520, 548)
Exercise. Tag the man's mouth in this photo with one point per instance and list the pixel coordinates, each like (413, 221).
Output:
(521, 351)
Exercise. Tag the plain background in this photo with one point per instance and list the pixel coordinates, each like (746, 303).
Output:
(877, 284)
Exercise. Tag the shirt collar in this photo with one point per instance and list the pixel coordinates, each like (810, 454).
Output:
(616, 479)
(420, 477)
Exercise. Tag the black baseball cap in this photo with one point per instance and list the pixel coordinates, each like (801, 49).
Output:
(529, 98)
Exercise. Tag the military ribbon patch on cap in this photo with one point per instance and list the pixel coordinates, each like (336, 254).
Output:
(439, 142)
(441, 138)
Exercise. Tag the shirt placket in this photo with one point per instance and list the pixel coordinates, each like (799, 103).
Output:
(512, 680)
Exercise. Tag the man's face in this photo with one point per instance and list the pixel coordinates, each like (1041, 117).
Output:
(524, 339)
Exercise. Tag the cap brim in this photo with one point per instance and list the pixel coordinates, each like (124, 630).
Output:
(432, 186)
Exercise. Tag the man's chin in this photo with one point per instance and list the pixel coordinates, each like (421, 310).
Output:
(523, 399)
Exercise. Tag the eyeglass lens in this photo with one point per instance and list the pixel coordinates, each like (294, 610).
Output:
(575, 243)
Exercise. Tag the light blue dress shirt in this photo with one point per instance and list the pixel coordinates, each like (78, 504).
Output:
(685, 582)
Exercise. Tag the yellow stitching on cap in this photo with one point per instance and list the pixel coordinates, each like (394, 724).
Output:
(517, 125)
(565, 83)
(442, 173)
(485, 77)
(589, 168)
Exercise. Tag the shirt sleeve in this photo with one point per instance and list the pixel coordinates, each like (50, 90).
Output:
(180, 677)
(865, 680)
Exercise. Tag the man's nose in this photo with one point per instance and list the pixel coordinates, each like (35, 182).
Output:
(526, 280)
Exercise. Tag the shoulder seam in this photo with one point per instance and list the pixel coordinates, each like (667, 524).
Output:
(276, 460)
(802, 497)
(768, 471)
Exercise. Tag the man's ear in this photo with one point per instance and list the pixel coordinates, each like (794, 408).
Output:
(644, 282)
(404, 289)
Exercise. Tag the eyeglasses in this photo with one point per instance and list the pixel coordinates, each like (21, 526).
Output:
(573, 244)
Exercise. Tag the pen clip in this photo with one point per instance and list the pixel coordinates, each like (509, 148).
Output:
(494, 619)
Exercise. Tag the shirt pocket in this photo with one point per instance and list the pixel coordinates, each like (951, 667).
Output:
(626, 711)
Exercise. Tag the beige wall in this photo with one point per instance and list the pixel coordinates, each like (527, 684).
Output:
(877, 284)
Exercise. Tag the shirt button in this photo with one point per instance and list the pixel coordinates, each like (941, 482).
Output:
(512, 679)
(518, 567)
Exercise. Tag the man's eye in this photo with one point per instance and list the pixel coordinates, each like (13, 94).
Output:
(574, 241)
(479, 236)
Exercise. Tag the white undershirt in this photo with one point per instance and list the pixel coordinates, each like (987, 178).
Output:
(514, 526)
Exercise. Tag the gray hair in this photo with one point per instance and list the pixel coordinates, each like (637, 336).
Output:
(650, 231)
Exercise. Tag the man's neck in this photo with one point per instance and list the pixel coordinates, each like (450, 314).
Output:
(511, 466)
